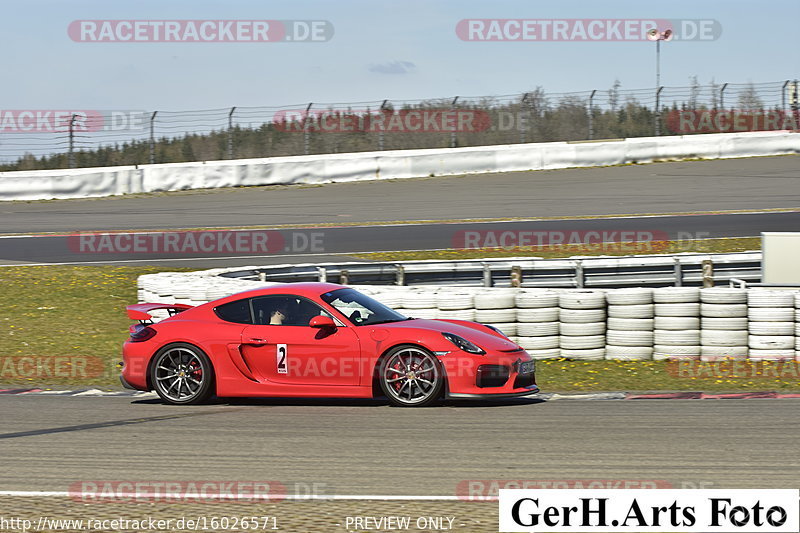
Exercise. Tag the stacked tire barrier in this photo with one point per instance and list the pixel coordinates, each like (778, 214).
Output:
(497, 309)
(615, 324)
(771, 325)
(630, 324)
(583, 325)
(538, 325)
(677, 323)
(723, 324)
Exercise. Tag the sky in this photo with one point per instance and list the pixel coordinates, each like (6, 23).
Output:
(403, 50)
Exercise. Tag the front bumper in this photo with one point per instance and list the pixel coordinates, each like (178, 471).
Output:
(492, 375)
(474, 396)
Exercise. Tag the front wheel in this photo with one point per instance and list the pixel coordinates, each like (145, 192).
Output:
(411, 376)
(182, 374)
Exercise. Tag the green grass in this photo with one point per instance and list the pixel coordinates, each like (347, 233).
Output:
(722, 245)
(73, 313)
(75, 317)
(555, 375)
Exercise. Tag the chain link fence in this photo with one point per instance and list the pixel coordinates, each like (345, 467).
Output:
(50, 139)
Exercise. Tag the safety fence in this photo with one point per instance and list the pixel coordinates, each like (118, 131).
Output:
(49, 139)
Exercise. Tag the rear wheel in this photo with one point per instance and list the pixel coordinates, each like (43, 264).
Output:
(182, 374)
(411, 376)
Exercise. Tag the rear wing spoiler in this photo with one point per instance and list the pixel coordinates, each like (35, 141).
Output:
(141, 312)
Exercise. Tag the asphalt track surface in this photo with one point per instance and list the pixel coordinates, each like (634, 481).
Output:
(678, 187)
(698, 187)
(306, 245)
(370, 448)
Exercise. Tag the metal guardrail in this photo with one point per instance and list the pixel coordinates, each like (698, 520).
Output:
(575, 272)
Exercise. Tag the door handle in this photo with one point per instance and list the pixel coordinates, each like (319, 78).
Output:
(255, 341)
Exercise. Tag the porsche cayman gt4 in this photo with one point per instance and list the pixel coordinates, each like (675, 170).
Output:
(317, 340)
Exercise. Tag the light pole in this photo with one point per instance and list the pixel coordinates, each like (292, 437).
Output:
(657, 35)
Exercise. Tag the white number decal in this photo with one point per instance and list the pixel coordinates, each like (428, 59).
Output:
(281, 359)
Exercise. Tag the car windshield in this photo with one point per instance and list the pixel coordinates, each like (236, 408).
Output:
(360, 309)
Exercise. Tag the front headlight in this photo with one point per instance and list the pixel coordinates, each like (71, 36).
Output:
(463, 344)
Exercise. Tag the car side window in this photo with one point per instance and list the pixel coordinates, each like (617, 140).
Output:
(237, 312)
(285, 311)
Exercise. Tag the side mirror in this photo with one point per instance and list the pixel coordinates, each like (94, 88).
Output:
(322, 322)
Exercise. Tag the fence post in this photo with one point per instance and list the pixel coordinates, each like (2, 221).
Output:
(152, 138)
(400, 275)
(523, 119)
(658, 111)
(71, 156)
(722, 96)
(453, 139)
(783, 96)
(591, 114)
(678, 272)
(306, 134)
(579, 277)
(230, 133)
(708, 273)
(381, 132)
(487, 274)
(516, 276)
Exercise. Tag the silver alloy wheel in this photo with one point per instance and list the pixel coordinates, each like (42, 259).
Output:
(411, 376)
(180, 374)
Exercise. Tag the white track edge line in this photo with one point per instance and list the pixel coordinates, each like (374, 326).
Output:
(65, 494)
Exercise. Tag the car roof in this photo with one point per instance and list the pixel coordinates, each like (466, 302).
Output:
(307, 289)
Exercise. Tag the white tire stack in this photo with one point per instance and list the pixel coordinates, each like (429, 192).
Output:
(496, 308)
(537, 323)
(771, 316)
(723, 333)
(630, 324)
(456, 306)
(797, 327)
(419, 304)
(677, 323)
(391, 299)
(583, 317)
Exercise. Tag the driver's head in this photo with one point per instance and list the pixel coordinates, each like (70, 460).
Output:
(280, 311)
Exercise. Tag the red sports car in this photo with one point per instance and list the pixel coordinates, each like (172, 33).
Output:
(317, 340)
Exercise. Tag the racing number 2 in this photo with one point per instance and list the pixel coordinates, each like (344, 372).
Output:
(281, 359)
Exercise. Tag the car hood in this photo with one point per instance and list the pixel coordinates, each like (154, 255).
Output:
(486, 340)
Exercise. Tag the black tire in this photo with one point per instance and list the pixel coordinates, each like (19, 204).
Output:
(411, 376)
(181, 374)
